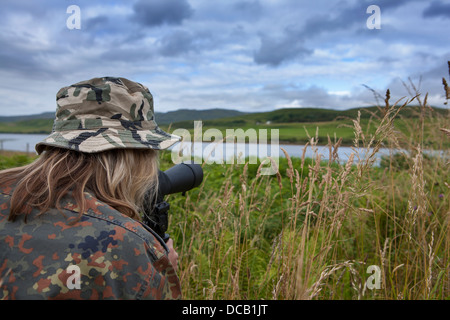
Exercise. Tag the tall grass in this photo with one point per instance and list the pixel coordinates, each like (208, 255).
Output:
(312, 230)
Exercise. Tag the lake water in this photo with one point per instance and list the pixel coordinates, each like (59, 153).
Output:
(211, 152)
(19, 142)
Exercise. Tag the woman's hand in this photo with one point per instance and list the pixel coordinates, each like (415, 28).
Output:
(173, 255)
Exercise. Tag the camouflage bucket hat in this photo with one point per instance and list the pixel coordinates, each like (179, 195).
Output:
(106, 113)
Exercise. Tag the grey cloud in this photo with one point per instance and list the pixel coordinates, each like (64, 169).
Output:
(181, 41)
(440, 68)
(177, 43)
(230, 11)
(343, 16)
(275, 51)
(347, 16)
(37, 9)
(437, 9)
(286, 47)
(154, 13)
(33, 63)
(96, 22)
(17, 62)
(247, 10)
(133, 55)
(312, 96)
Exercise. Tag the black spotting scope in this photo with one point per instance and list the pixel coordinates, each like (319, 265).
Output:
(179, 178)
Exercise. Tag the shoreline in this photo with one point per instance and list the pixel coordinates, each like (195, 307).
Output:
(11, 153)
(301, 144)
(280, 142)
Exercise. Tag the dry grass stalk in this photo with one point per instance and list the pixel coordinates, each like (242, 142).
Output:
(331, 216)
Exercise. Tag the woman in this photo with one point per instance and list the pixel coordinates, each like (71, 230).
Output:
(70, 221)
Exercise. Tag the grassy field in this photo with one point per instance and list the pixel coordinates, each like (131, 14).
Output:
(27, 126)
(318, 229)
(295, 133)
(324, 131)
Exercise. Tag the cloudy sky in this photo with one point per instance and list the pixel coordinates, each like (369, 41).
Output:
(248, 55)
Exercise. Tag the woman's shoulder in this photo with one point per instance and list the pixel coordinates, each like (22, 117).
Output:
(108, 247)
(98, 212)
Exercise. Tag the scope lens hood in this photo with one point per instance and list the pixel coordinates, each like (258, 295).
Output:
(180, 178)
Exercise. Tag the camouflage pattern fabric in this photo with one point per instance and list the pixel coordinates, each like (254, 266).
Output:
(106, 113)
(118, 257)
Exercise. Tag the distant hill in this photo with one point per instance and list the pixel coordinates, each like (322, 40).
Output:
(161, 118)
(45, 115)
(183, 118)
(42, 123)
(304, 115)
(187, 114)
(320, 115)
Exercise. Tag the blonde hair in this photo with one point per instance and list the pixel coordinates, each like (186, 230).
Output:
(121, 178)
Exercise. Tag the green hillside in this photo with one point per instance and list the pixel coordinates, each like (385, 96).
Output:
(296, 126)
(316, 115)
(44, 115)
(42, 123)
(27, 126)
(186, 114)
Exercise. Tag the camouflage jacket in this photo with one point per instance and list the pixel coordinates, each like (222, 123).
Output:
(115, 257)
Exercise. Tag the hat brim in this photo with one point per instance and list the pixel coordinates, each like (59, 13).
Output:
(93, 141)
